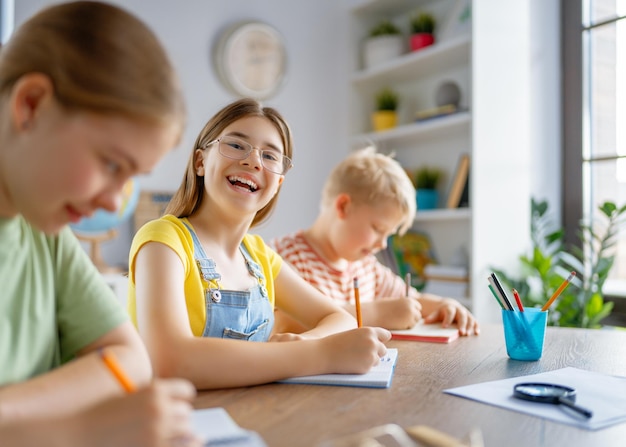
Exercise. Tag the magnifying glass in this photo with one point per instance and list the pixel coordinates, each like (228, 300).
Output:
(550, 394)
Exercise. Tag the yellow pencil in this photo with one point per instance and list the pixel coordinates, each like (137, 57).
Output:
(357, 302)
(558, 291)
(111, 362)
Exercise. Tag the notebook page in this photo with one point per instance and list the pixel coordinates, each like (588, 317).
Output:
(378, 377)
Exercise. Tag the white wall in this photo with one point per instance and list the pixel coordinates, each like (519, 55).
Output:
(545, 103)
(516, 149)
(313, 99)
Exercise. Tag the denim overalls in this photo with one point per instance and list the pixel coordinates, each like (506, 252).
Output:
(241, 315)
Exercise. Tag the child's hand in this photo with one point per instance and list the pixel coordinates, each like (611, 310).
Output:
(158, 415)
(449, 311)
(394, 313)
(355, 351)
(286, 336)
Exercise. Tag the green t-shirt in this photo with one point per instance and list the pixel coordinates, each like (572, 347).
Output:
(53, 301)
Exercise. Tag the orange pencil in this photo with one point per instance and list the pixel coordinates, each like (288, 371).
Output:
(111, 362)
(558, 291)
(357, 302)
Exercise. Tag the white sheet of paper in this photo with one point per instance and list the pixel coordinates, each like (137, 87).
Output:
(215, 427)
(603, 394)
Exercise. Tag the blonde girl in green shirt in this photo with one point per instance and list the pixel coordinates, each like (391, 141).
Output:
(88, 98)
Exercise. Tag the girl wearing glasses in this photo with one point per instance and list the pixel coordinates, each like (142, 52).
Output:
(202, 288)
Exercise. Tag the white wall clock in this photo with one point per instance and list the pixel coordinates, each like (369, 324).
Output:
(251, 59)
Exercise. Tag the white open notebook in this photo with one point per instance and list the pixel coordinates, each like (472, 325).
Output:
(214, 426)
(378, 377)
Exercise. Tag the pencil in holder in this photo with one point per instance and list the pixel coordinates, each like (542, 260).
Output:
(524, 333)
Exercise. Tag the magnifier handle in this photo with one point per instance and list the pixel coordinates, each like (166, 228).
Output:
(577, 408)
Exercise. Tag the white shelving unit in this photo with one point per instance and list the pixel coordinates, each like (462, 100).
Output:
(436, 142)
(491, 64)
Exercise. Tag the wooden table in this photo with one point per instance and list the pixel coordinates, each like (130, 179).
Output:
(306, 415)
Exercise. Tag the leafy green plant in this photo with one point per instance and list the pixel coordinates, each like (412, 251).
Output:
(386, 99)
(384, 28)
(582, 303)
(427, 177)
(422, 22)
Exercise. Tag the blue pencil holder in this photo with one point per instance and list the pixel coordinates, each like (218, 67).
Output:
(524, 333)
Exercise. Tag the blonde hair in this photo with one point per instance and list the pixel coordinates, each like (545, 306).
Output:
(99, 58)
(372, 178)
(188, 197)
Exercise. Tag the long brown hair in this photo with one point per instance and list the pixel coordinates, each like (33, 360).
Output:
(100, 58)
(188, 197)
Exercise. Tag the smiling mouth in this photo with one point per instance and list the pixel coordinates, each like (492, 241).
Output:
(73, 215)
(243, 183)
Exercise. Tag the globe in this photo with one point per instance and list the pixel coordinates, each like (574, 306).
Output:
(102, 221)
(101, 226)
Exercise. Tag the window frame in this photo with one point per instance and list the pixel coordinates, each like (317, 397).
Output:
(572, 108)
(572, 119)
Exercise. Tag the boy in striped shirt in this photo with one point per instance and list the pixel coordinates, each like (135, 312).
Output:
(367, 198)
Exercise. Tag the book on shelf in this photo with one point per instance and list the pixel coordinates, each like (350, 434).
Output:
(151, 205)
(459, 190)
(378, 376)
(431, 333)
(445, 110)
(446, 280)
(412, 252)
(436, 112)
(388, 258)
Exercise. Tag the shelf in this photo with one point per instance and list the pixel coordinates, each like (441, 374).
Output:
(432, 128)
(369, 8)
(444, 214)
(429, 61)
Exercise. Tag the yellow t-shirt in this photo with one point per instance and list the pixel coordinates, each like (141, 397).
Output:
(171, 231)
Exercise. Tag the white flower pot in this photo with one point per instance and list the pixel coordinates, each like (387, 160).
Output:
(381, 49)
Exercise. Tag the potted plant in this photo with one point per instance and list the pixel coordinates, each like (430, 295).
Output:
(384, 42)
(385, 117)
(426, 180)
(549, 263)
(422, 29)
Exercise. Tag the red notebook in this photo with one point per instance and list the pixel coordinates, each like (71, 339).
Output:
(432, 333)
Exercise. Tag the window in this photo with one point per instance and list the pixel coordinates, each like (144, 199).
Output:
(594, 117)
(6, 19)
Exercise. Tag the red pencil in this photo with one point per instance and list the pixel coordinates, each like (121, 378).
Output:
(519, 301)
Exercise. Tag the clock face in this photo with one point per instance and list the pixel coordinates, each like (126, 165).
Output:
(251, 59)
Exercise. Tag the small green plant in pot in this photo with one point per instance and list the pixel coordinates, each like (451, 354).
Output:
(386, 99)
(385, 28)
(422, 31)
(582, 304)
(385, 117)
(426, 180)
(384, 42)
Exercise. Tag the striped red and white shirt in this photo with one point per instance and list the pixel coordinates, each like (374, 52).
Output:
(375, 280)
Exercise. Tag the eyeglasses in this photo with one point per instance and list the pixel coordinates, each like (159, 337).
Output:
(272, 159)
